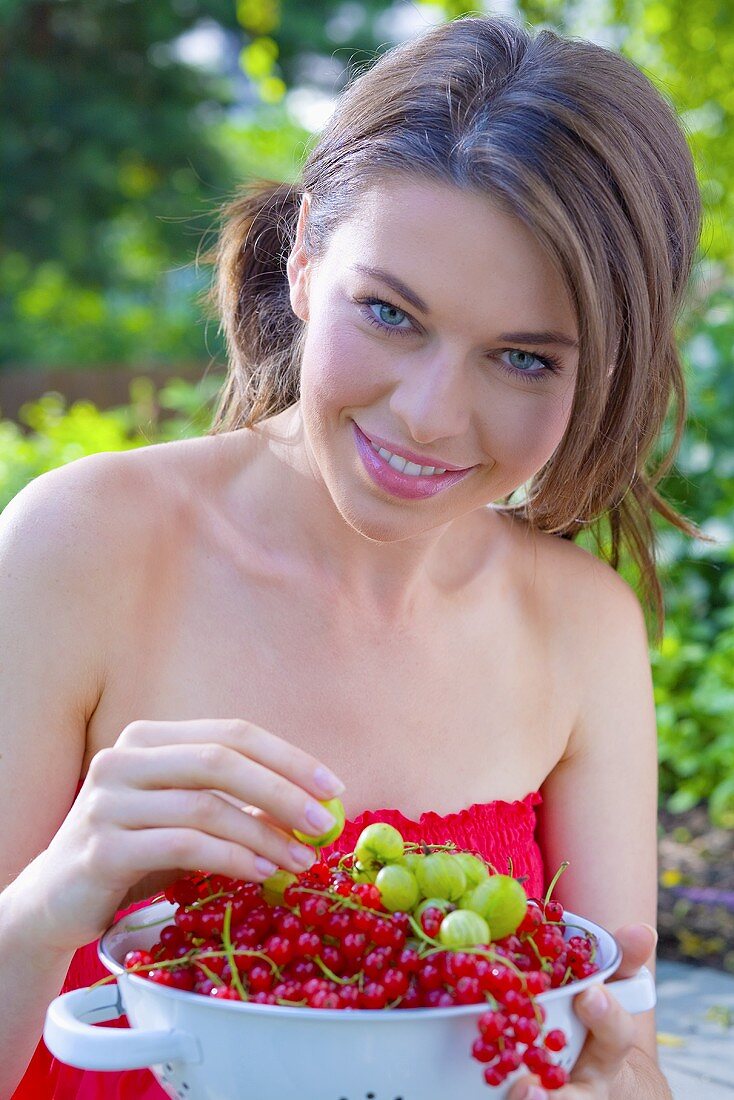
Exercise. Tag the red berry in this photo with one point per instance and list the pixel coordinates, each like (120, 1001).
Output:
(526, 1030)
(260, 979)
(280, 949)
(509, 1060)
(537, 982)
(373, 996)
(353, 945)
(483, 1051)
(553, 1077)
(224, 993)
(308, 944)
(429, 977)
(555, 1039)
(160, 977)
(395, 982)
(138, 958)
(467, 992)
(492, 1025)
(376, 962)
(533, 919)
(412, 998)
(431, 919)
(553, 910)
(314, 909)
(408, 960)
(493, 1075)
(350, 996)
(535, 1058)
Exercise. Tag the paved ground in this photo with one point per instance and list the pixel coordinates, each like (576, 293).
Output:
(695, 1021)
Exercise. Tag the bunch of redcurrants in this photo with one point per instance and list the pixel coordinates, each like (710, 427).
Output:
(388, 926)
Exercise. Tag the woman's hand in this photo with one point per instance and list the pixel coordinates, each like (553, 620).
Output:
(611, 1033)
(171, 797)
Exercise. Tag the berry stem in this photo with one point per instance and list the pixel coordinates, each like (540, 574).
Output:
(213, 978)
(227, 941)
(330, 973)
(544, 963)
(554, 880)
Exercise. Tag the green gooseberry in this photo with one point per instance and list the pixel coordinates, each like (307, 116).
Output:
(336, 809)
(440, 875)
(463, 928)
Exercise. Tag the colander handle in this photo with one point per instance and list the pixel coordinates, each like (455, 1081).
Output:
(636, 994)
(70, 1036)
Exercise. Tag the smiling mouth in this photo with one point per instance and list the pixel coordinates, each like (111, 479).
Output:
(409, 466)
(403, 466)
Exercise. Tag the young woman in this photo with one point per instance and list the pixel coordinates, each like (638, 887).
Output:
(451, 349)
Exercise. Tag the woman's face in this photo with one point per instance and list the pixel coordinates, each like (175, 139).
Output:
(430, 374)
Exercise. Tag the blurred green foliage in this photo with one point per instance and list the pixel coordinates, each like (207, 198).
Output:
(51, 432)
(118, 149)
(687, 51)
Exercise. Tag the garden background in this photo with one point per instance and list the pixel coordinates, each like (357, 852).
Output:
(126, 125)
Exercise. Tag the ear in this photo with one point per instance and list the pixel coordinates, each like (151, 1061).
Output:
(298, 264)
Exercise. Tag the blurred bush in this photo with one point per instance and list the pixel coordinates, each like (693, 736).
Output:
(56, 433)
(694, 698)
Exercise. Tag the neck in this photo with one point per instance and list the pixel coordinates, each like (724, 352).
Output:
(292, 510)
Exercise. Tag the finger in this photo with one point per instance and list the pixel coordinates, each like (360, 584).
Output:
(259, 744)
(528, 1087)
(611, 1035)
(212, 764)
(206, 811)
(637, 943)
(257, 812)
(148, 850)
(263, 816)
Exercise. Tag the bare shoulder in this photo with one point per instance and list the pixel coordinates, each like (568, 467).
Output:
(111, 501)
(86, 507)
(581, 596)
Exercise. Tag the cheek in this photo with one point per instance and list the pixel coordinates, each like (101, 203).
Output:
(522, 433)
(339, 368)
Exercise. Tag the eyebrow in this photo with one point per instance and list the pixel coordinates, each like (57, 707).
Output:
(546, 337)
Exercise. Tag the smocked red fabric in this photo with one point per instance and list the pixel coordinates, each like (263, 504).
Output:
(495, 830)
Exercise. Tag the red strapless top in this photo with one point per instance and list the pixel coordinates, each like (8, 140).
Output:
(495, 830)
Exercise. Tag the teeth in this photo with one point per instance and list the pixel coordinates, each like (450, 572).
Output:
(404, 467)
(397, 463)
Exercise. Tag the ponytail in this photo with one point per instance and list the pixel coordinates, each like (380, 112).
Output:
(251, 295)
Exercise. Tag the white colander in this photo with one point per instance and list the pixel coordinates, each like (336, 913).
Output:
(204, 1049)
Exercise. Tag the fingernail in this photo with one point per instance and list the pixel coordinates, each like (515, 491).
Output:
(595, 1002)
(319, 817)
(302, 856)
(264, 866)
(327, 782)
(654, 932)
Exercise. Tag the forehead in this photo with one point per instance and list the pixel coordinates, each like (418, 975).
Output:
(456, 249)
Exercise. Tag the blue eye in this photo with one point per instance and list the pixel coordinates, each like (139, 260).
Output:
(549, 363)
(383, 305)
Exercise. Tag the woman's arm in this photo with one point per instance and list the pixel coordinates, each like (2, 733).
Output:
(600, 802)
(50, 654)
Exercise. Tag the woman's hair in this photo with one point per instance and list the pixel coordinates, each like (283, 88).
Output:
(574, 141)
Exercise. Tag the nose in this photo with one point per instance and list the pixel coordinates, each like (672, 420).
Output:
(432, 399)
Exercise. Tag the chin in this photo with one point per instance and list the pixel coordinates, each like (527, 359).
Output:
(402, 524)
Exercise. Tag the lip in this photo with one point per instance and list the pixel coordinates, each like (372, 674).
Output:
(419, 460)
(398, 484)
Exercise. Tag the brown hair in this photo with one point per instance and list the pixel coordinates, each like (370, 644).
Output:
(572, 139)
